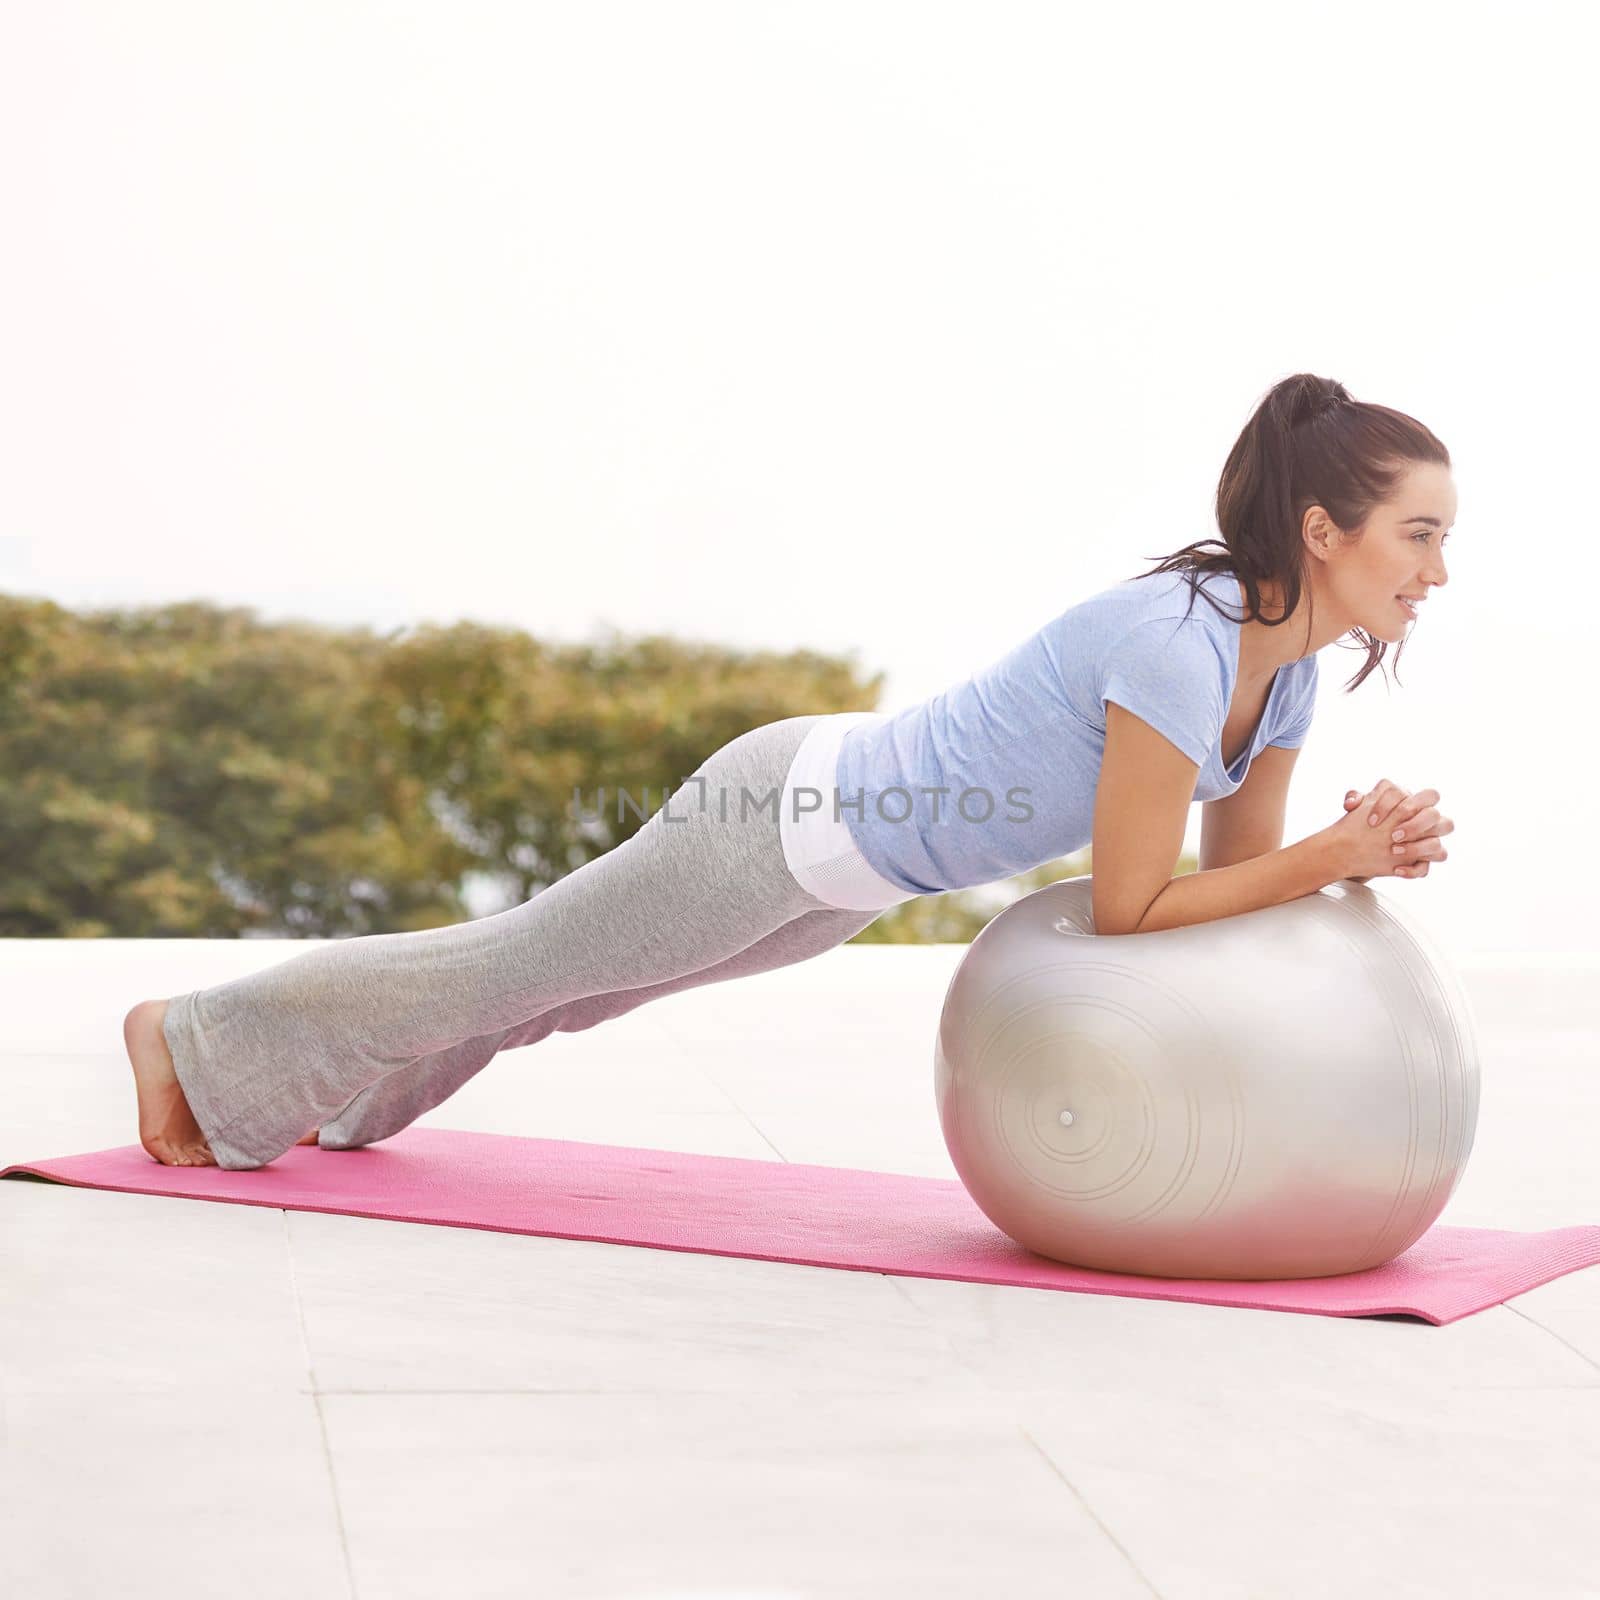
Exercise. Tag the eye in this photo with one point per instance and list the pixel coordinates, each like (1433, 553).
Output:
(1427, 533)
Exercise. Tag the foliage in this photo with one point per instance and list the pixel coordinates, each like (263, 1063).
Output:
(190, 771)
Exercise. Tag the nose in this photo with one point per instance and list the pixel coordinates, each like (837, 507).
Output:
(1435, 576)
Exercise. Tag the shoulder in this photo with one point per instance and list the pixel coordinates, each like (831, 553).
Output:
(1169, 645)
(1171, 674)
(1144, 633)
(1186, 601)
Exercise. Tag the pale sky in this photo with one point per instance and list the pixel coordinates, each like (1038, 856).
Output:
(885, 328)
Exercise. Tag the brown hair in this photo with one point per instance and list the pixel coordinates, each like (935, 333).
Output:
(1308, 443)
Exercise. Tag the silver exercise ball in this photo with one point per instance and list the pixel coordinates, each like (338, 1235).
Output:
(1287, 1093)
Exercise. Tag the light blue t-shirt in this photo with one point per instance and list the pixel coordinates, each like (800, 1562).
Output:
(1016, 748)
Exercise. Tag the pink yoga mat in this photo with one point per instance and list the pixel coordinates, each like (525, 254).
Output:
(784, 1211)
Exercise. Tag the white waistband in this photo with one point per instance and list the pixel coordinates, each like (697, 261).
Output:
(818, 845)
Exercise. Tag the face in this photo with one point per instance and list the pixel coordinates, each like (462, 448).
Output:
(1400, 553)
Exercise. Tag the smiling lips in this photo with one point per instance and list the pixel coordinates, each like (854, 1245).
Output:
(1410, 603)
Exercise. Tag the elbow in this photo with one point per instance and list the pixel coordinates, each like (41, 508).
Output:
(1119, 919)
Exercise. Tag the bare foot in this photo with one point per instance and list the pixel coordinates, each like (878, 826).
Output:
(309, 1138)
(167, 1128)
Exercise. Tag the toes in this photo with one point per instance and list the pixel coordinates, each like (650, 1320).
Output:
(171, 1155)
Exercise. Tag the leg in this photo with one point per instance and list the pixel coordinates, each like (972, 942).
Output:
(399, 1098)
(265, 1057)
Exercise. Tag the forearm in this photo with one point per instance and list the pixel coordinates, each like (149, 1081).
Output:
(1265, 880)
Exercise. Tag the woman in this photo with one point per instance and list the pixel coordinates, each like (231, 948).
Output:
(1102, 727)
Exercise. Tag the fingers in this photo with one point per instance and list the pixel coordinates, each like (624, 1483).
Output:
(1385, 798)
(1422, 850)
(1407, 839)
(1421, 856)
(1429, 826)
(1422, 824)
(1426, 825)
(1408, 815)
(1416, 826)
(1414, 815)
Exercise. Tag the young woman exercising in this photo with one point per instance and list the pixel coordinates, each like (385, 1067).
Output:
(1103, 728)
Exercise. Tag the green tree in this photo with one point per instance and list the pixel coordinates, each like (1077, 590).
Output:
(189, 771)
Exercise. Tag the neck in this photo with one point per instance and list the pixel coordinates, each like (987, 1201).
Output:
(1263, 649)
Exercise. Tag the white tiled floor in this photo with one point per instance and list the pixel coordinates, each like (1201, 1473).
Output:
(264, 1402)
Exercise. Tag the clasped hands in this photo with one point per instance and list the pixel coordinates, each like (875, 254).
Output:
(1370, 848)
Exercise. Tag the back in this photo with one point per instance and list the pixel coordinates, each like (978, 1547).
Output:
(1016, 748)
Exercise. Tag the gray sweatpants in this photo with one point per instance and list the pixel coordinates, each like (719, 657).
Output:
(361, 1036)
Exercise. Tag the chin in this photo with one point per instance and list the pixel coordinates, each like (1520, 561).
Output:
(1392, 629)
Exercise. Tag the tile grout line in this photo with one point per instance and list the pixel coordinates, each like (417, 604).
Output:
(316, 1400)
(1002, 1395)
(1089, 1511)
(722, 1090)
(1581, 1354)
